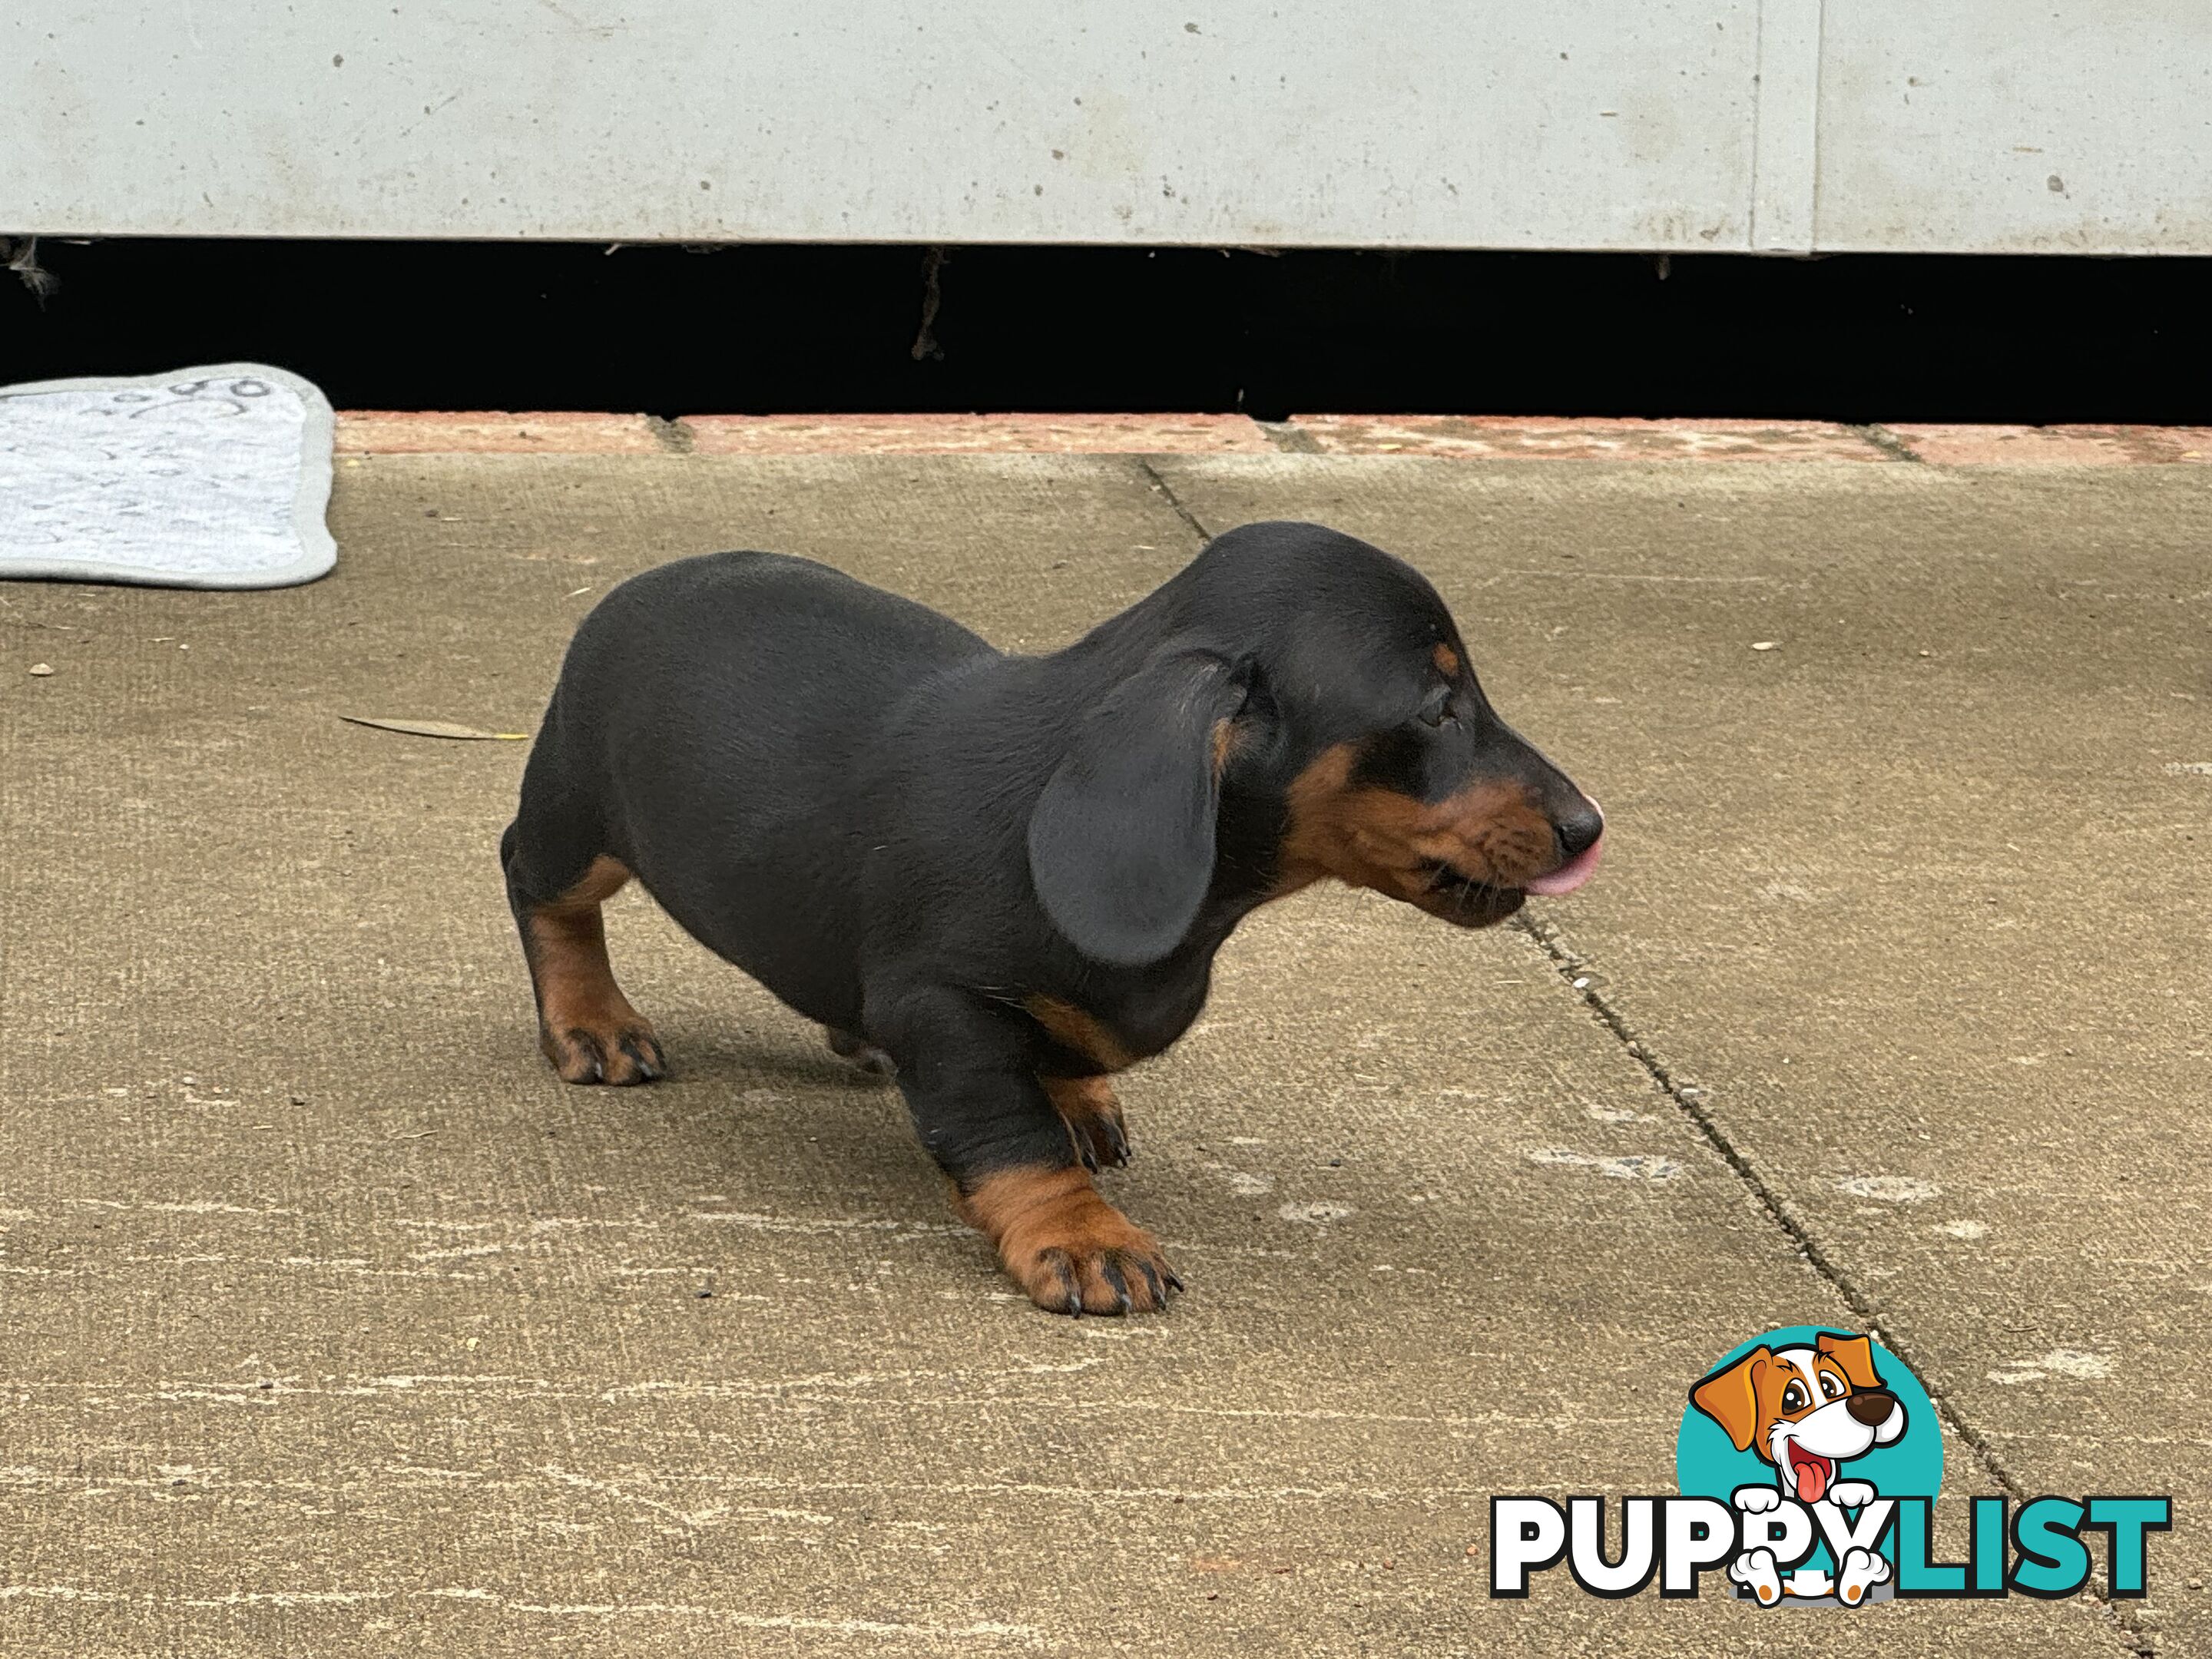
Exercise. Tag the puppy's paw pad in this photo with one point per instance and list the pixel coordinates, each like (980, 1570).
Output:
(1757, 1500)
(1852, 1494)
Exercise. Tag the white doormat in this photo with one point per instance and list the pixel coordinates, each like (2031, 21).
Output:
(208, 477)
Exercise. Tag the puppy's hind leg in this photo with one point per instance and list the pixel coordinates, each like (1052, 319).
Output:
(586, 1025)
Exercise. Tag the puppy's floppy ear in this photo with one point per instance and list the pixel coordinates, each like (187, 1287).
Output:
(1121, 841)
(1730, 1397)
(1854, 1353)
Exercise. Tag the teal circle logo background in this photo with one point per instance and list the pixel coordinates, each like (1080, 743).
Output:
(1708, 1465)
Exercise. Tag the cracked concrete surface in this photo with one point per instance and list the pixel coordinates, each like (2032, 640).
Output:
(338, 1325)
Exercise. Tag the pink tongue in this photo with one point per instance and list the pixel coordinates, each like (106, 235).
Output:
(1571, 874)
(1811, 1481)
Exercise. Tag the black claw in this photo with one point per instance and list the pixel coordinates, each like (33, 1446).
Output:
(1071, 1293)
(1110, 1271)
(1152, 1283)
(1174, 1282)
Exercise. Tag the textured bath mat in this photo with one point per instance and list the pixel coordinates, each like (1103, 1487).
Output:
(208, 477)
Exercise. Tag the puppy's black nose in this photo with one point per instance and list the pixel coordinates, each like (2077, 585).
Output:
(1872, 1406)
(1579, 831)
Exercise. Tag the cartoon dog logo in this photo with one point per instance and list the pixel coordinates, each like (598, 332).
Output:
(1806, 1411)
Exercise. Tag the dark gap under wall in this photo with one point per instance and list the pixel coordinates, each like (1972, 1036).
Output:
(762, 328)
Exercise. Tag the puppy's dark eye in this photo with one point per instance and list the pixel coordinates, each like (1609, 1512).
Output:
(1830, 1387)
(1793, 1398)
(1436, 708)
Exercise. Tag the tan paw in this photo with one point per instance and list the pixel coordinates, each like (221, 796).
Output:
(1093, 1116)
(609, 1046)
(1071, 1251)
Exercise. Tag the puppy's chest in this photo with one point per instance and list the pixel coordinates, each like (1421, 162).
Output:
(1116, 1030)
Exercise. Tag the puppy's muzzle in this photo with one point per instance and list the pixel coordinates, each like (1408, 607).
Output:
(1580, 834)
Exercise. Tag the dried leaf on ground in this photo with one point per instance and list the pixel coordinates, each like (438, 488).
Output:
(437, 729)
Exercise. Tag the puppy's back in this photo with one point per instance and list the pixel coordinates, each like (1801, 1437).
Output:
(797, 649)
(706, 732)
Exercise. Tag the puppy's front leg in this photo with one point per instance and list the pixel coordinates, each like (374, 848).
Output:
(1067, 1247)
(966, 1075)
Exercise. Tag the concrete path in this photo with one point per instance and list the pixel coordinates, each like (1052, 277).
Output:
(336, 1326)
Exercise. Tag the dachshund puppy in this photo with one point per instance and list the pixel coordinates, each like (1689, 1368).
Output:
(1003, 877)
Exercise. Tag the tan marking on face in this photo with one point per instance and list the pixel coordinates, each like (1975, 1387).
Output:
(1371, 837)
(1446, 659)
(1079, 1031)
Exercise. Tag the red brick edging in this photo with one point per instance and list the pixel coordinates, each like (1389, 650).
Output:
(363, 432)
(971, 435)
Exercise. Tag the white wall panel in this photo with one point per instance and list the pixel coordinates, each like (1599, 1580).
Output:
(1659, 125)
(2068, 126)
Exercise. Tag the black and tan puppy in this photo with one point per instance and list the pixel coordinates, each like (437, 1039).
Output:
(1007, 875)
